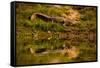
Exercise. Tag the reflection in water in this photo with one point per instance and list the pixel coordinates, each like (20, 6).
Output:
(73, 52)
(69, 35)
(57, 47)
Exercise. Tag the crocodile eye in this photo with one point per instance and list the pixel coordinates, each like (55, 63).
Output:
(62, 22)
(29, 17)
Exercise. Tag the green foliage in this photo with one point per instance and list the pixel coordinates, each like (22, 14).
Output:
(28, 31)
(45, 26)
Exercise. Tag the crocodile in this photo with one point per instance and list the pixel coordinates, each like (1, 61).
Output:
(55, 19)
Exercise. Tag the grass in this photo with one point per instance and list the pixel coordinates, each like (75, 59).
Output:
(41, 34)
